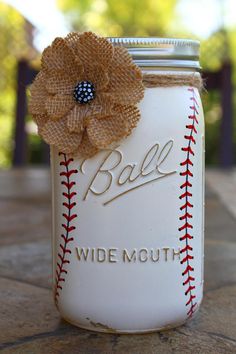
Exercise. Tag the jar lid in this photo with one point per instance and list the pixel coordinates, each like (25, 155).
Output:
(161, 52)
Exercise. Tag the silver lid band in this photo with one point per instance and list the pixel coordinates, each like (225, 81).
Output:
(161, 52)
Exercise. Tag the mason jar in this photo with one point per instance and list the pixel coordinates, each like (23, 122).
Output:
(128, 223)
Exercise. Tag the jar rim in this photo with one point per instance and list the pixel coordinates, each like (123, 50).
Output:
(161, 52)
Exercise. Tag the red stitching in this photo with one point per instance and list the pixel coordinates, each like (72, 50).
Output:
(187, 204)
(186, 162)
(67, 239)
(194, 118)
(186, 226)
(68, 185)
(190, 288)
(195, 101)
(190, 299)
(64, 249)
(68, 216)
(185, 216)
(186, 237)
(191, 311)
(188, 149)
(186, 173)
(68, 228)
(190, 137)
(69, 173)
(186, 184)
(69, 195)
(186, 196)
(192, 127)
(187, 258)
(188, 280)
(69, 205)
(66, 163)
(185, 249)
(188, 269)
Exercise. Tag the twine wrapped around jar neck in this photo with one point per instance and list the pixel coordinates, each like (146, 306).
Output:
(169, 80)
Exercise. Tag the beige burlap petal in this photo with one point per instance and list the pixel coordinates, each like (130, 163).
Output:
(72, 40)
(79, 117)
(59, 56)
(131, 115)
(121, 57)
(40, 119)
(97, 75)
(126, 85)
(103, 132)
(59, 105)
(38, 95)
(76, 118)
(61, 82)
(56, 133)
(91, 49)
(86, 149)
(101, 107)
(84, 129)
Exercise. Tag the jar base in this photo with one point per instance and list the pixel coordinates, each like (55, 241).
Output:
(99, 327)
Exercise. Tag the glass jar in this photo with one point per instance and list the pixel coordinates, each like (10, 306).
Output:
(128, 223)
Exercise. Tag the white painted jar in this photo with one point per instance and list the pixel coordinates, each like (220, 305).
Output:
(128, 223)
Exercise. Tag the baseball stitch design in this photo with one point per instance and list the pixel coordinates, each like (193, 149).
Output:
(187, 206)
(67, 226)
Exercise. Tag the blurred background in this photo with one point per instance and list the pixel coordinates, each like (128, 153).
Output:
(27, 27)
(27, 316)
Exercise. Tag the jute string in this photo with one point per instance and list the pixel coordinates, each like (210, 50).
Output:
(168, 80)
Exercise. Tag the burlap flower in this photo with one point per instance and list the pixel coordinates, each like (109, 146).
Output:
(84, 128)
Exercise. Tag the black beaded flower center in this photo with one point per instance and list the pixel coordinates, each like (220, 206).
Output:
(84, 92)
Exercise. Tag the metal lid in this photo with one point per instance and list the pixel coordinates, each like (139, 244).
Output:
(161, 52)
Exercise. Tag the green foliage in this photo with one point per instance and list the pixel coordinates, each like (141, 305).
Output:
(109, 18)
(11, 44)
(120, 18)
(213, 114)
(215, 50)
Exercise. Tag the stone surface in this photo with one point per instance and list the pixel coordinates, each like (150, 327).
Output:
(26, 310)
(209, 332)
(23, 221)
(177, 341)
(27, 262)
(219, 223)
(29, 322)
(218, 315)
(25, 184)
(220, 264)
(223, 182)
